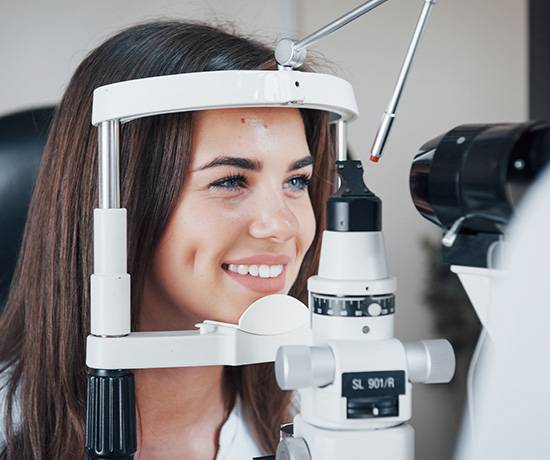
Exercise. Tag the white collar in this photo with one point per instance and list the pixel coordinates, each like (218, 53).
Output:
(236, 439)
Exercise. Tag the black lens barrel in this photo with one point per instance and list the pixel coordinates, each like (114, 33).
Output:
(481, 171)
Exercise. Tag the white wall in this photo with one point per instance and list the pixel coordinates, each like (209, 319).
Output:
(471, 67)
(42, 42)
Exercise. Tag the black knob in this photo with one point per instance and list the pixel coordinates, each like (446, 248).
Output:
(111, 415)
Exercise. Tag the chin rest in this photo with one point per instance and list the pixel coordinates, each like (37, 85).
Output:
(22, 139)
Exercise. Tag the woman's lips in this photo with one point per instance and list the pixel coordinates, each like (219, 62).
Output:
(264, 259)
(258, 284)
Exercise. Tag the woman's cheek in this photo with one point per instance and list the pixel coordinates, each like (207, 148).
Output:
(220, 209)
(307, 225)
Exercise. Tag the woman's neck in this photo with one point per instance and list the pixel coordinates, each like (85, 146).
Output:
(181, 411)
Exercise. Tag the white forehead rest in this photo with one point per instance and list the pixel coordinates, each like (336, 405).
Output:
(128, 100)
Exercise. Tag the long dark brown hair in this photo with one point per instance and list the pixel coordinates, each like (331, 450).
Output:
(46, 320)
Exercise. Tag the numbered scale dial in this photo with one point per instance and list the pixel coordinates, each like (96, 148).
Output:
(376, 305)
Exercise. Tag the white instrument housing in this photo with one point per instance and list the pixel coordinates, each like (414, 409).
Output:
(355, 380)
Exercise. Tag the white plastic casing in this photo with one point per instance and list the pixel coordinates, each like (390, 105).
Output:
(352, 264)
(269, 323)
(328, 328)
(110, 283)
(479, 284)
(327, 444)
(325, 407)
(143, 97)
(353, 256)
(211, 346)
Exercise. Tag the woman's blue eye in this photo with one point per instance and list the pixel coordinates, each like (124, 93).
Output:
(233, 182)
(299, 182)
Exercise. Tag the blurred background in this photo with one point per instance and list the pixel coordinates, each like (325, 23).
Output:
(475, 63)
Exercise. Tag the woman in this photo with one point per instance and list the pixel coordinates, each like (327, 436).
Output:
(223, 207)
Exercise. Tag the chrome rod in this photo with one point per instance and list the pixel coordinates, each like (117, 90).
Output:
(108, 164)
(389, 115)
(341, 140)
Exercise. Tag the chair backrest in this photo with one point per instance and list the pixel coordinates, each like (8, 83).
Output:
(22, 139)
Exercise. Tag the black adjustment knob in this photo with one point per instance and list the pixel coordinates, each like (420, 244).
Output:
(111, 415)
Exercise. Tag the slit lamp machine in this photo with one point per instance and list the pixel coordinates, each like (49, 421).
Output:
(353, 376)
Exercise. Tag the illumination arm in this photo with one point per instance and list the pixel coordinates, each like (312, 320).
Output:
(290, 54)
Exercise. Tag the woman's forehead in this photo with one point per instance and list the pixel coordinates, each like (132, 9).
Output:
(266, 133)
(251, 116)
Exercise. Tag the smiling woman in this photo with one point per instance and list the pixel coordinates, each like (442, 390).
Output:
(224, 206)
(257, 192)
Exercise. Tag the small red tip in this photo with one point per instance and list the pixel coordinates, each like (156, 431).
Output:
(374, 159)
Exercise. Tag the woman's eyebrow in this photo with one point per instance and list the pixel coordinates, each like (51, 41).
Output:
(301, 163)
(252, 165)
(243, 163)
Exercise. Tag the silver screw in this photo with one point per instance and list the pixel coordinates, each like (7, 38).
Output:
(366, 329)
(461, 140)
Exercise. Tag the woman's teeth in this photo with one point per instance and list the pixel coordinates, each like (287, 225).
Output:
(263, 271)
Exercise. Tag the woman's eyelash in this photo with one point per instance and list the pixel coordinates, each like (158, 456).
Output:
(231, 182)
(236, 181)
(303, 181)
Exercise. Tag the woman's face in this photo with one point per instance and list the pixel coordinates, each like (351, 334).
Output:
(243, 223)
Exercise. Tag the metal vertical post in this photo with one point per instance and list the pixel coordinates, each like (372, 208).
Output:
(341, 146)
(108, 165)
(341, 131)
(110, 409)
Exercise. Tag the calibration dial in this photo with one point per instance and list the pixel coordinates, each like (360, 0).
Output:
(376, 305)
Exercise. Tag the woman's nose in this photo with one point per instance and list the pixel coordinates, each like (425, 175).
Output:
(274, 220)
